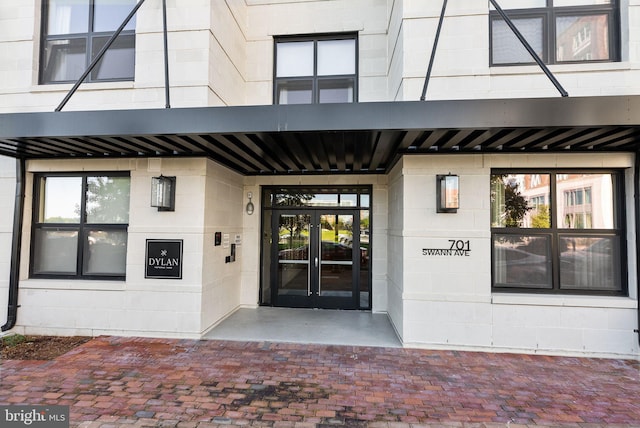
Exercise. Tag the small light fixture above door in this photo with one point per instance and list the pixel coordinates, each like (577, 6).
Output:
(447, 193)
(163, 193)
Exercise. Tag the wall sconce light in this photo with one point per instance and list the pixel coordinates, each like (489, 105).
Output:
(447, 193)
(249, 208)
(163, 193)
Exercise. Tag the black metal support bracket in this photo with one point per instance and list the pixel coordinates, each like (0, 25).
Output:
(99, 55)
(636, 198)
(433, 51)
(166, 54)
(515, 31)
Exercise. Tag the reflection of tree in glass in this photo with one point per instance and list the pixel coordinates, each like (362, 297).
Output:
(292, 199)
(364, 223)
(516, 206)
(108, 199)
(294, 226)
(541, 219)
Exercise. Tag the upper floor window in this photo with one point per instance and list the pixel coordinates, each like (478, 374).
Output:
(74, 31)
(559, 31)
(80, 226)
(316, 69)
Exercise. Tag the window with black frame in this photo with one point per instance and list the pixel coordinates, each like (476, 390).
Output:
(74, 31)
(316, 69)
(80, 226)
(559, 31)
(558, 232)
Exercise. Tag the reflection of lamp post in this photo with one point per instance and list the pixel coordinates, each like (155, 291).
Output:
(163, 193)
(447, 193)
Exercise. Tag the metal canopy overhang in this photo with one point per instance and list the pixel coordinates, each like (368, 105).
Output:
(328, 138)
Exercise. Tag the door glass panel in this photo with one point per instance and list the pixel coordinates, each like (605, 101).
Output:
(364, 286)
(336, 256)
(293, 254)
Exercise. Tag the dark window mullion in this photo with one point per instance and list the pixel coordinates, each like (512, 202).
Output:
(549, 35)
(555, 236)
(81, 231)
(315, 97)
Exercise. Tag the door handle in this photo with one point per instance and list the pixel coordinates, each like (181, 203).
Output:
(319, 256)
(316, 262)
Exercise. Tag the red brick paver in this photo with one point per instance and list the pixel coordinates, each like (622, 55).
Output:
(111, 382)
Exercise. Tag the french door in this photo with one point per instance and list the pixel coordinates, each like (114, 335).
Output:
(318, 258)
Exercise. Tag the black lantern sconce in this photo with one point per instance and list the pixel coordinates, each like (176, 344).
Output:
(447, 193)
(163, 193)
(249, 208)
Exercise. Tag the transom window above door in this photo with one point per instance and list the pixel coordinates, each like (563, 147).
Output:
(74, 31)
(316, 69)
(559, 31)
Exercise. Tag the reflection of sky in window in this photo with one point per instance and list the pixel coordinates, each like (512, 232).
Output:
(62, 198)
(320, 199)
(109, 14)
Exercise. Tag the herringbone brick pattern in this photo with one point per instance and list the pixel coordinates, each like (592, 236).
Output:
(112, 382)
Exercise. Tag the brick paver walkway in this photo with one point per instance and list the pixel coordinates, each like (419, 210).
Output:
(110, 382)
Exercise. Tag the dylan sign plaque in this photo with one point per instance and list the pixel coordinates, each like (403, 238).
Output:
(164, 258)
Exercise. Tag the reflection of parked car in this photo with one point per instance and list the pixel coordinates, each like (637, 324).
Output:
(589, 267)
(335, 251)
(514, 266)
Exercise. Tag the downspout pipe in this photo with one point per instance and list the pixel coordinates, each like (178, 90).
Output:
(636, 197)
(16, 244)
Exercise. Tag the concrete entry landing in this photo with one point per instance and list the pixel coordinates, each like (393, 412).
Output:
(329, 327)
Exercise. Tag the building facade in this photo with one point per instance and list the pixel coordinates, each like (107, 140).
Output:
(305, 172)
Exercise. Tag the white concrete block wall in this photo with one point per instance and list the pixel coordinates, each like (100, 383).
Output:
(447, 300)
(251, 244)
(379, 250)
(136, 306)
(221, 281)
(395, 249)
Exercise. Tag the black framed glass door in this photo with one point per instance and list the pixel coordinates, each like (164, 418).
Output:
(318, 258)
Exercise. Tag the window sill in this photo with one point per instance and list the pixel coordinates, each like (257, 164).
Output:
(66, 284)
(95, 86)
(587, 67)
(564, 300)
